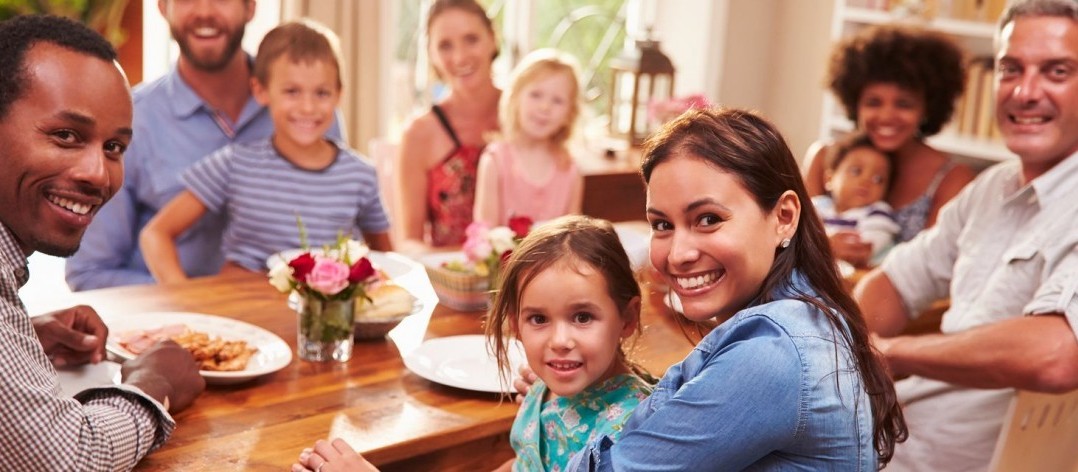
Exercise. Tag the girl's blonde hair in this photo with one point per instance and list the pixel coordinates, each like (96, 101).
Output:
(539, 64)
(574, 240)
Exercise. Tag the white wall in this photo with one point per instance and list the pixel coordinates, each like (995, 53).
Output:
(796, 84)
(766, 55)
(159, 52)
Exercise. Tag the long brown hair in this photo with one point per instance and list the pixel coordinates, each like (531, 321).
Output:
(750, 148)
(572, 239)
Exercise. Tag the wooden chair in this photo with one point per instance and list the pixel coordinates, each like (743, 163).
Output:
(1040, 433)
(384, 155)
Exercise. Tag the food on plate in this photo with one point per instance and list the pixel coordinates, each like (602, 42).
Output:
(386, 301)
(212, 353)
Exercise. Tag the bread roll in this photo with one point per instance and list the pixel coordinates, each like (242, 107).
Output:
(387, 301)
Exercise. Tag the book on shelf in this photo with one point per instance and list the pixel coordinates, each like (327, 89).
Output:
(967, 109)
(974, 114)
(986, 110)
(987, 11)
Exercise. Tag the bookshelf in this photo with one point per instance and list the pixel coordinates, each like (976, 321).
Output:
(971, 136)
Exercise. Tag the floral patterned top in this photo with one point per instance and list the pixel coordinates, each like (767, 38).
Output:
(546, 434)
(451, 189)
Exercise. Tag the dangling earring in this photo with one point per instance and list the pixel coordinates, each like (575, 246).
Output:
(785, 243)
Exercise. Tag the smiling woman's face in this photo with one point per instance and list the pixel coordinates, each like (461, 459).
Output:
(710, 240)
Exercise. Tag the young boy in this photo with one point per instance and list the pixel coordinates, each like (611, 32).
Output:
(262, 186)
(857, 179)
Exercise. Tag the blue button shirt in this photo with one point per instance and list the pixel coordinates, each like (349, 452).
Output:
(174, 128)
(769, 389)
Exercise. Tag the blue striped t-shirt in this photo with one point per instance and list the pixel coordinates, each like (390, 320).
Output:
(260, 193)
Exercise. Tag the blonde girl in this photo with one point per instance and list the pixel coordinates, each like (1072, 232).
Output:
(529, 171)
(568, 294)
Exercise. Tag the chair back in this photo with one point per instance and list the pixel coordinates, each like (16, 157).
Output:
(384, 155)
(1040, 433)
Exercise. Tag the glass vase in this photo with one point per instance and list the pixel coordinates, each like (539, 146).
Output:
(325, 329)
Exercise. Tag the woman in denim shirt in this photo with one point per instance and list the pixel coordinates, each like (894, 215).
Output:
(787, 380)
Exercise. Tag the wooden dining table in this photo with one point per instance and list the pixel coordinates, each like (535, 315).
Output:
(395, 418)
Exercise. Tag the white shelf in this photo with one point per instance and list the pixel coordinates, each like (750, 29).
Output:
(967, 28)
(974, 36)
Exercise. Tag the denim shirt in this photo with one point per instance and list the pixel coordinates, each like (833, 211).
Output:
(772, 388)
(173, 129)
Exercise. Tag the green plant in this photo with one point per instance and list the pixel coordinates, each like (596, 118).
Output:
(104, 16)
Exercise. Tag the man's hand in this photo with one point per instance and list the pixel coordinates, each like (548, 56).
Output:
(168, 373)
(523, 383)
(848, 246)
(73, 336)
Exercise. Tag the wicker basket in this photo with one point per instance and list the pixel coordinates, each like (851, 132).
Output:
(457, 290)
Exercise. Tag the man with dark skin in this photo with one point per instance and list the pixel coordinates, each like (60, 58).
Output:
(65, 122)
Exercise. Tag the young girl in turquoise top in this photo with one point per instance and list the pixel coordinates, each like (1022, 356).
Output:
(568, 294)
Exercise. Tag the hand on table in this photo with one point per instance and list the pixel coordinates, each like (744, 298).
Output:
(523, 383)
(848, 246)
(168, 373)
(330, 457)
(72, 336)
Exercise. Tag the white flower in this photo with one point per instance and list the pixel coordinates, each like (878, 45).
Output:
(356, 250)
(281, 277)
(502, 239)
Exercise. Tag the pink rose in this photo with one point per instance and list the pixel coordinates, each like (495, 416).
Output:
(328, 276)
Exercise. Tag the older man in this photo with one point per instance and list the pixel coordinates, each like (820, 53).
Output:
(65, 122)
(1005, 251)
(203, 104)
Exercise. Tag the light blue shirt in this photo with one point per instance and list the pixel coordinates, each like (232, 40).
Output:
(173, 129)
(773, 388)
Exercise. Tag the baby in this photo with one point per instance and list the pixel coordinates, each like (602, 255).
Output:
(857, 179)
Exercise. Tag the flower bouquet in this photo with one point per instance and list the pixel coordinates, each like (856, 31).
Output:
(328, 282)
(465, 284)
(662, 111)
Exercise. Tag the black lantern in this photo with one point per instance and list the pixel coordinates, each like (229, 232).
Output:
(641, 76)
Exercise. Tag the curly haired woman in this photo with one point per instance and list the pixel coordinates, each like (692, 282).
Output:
(898, 84)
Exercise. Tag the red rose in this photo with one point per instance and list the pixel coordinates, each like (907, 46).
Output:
(505, 256)
(520, 225)
(302, 266)
(360, 271)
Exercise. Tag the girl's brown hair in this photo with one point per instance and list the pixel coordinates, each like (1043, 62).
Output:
(750, 148)
(572, 239)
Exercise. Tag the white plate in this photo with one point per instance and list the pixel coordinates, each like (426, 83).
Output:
(636, 239)
(76, 379)
(273, 353)
(845, 269)
(462, 362)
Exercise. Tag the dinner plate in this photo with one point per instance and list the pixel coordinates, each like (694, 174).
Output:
(462, 362)
(845, 269)
(273, 353)
(635, 237)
